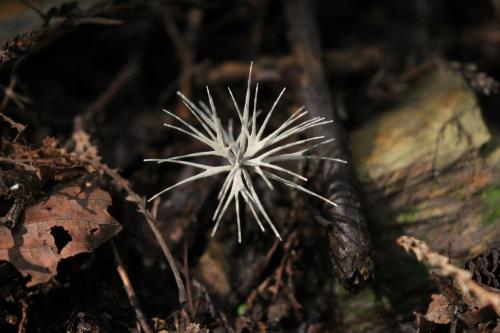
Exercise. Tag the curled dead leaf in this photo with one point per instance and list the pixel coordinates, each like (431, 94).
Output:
(72, 220)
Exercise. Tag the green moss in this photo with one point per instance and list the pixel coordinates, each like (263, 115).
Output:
(461, 192)
(408, 215)
(242, 309)
(363, 175)
(491, 199)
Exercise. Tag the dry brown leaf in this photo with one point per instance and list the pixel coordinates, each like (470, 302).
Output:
(440, 310)
(25, 171)
(72, 220)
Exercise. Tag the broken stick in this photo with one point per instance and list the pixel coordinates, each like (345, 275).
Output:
(350, 243)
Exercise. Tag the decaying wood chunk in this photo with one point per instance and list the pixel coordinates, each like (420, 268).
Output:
(422, 160)
(486, 267)
(424, 173)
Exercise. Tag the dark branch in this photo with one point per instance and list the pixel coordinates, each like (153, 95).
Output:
(350, 242)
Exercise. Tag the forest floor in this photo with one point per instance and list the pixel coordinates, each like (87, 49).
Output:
(412, 91)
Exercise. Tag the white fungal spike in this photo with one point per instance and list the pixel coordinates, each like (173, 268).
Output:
(250, 152)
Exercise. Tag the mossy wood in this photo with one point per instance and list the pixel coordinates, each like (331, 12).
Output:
(428, 168)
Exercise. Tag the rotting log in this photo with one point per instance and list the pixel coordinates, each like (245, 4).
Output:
(429, 168)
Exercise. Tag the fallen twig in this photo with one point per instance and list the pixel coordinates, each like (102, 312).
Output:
(186, 278)
(185, 46)
(21, 328)
(132, 297)
(37, 10)
(10, 219)
(275, 68)
(19, 162)
(9, 94)
(125, 74)
(441, 266)
(257, 27)
(350, 242)
(88, 153)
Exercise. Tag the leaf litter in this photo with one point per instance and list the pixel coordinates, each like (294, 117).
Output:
(72, 220)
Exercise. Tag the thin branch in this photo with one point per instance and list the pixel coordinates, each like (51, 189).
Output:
(277, 68)
(441, 266)
(132, 297)
(24, 318)
(9, 94)
(185, 47)
(88, 153)
(120, 182)
(42, 15)
(125, 74)
(187, 280)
